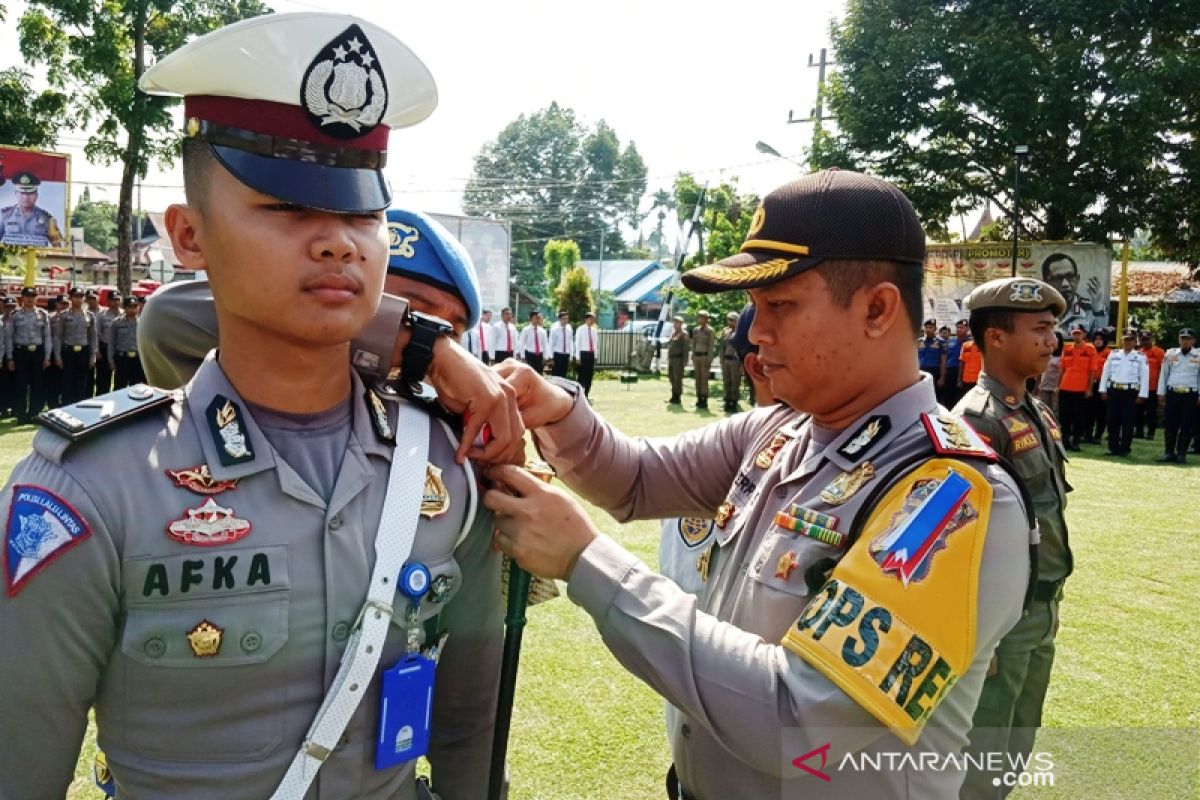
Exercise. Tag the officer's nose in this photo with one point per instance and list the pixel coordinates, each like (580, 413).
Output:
(334, 241)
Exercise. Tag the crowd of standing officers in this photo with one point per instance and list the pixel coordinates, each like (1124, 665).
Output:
(67, 350)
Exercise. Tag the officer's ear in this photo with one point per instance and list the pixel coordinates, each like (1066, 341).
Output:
(183, 225)
(883, 308)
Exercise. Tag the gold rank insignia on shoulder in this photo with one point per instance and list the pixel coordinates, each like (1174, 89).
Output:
(724, 512)
(953, 437)
(846, 485)
(205, 639)
(766, 456)
(435, 500)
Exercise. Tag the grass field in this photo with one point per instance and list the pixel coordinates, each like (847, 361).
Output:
(1127, 650)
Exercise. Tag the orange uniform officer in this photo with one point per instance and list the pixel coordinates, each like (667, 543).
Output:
(1075, 388)
(970, 362)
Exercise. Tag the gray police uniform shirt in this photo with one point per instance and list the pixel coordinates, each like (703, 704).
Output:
(683, 544)
(104, 320)
(106, 621)
(741, 705)
(27, 327)
(123, 338)
(1180, 371)
(74, 329)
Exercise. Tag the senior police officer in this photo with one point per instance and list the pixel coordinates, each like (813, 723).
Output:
(1125, 380)
(870, 553)
(704, 344)
(731, 365)
(1179, 392)
(1013, 321)
(75, 347)
(27, 346)
(123, 346)
(211, 603)
(26, 223)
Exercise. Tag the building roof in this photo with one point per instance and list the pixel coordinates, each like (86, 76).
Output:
(616, 275)
(1156, 281)
(647, 288)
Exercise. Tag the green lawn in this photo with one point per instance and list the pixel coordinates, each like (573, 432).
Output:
(1127, 650)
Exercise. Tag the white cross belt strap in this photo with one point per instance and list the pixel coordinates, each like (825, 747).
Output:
(393, 543)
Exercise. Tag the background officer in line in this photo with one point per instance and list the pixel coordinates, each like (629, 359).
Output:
(274, 458)
(562, 345)
(586, 340)
(26, 223)
(104, 322)
(731, 365)
(479, 339)
(931, 354)
(704, 344)
(75, 347)
(507, 337)
(1097, 408)
(123, 347)
(7, 306)
(677, 353)
(1075, 387)
(27, 345)
(91, 301)
(952, 386)
(534, 343)
(1013, 322)
(970, 364)
(1125, 380)
(1179, 393)
(52, 379)
(1146, 417)
(768, 665)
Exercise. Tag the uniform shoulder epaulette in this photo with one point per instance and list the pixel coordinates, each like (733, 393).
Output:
(952, 436)
(975, 401)
(101, 413)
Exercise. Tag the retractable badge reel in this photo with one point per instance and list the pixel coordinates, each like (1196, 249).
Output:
(406, 701)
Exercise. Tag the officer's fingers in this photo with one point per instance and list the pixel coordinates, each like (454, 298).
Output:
(504, 504)
(516, 480)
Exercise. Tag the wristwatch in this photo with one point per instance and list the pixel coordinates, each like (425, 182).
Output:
(418, 353)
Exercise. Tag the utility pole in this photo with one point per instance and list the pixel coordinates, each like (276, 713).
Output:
(818, 113)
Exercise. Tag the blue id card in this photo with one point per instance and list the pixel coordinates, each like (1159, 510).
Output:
(405, 711)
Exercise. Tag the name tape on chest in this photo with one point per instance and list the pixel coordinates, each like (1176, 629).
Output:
(894, 626)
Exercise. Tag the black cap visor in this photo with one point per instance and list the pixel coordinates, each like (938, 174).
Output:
(338, 190)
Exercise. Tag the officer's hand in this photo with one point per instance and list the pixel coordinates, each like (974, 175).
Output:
(1139, 401)
(542, 527)
(1093, 286)
(541, 402)
(466, 386)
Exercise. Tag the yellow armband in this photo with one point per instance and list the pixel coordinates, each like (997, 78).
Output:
(894, 627)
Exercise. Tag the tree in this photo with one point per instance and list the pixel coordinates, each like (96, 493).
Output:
(554, 178)
(935, 96)
(28, 118)
(98, 218)
(560, 256)
(95, 50)
(574, 294)
(724, 223)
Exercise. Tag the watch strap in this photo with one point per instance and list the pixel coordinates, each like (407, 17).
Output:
(371, 351)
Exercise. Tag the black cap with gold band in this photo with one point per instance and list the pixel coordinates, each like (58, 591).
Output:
(826, 216)
(299, 106)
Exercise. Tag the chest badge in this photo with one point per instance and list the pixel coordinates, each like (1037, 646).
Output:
(435, 500)
(205, 639)
(225, 424)
(693, 530)
(846, 485)
(704, 562)
(209, 525)
(786, 565)
(766, 456)
(724, 512)
(199, 480)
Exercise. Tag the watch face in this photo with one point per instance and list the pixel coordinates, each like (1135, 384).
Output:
(430, 321)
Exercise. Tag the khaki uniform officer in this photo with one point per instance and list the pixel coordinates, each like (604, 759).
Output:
(205, 599)
(870, 552)
(123, 347)
(1013, 322)
(27, 346)
(731, 365)
(704, 344)
(677, 353)
(75, 347)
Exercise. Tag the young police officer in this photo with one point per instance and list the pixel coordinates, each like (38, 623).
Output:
(869, 554)
(230, 603)
(1013, 322)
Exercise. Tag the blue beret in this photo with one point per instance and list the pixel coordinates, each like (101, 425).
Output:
(741, 334)
(421, 249)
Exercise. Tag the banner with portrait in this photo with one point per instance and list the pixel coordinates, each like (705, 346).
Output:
(34, 198)
(487, 242)
(1081, 271)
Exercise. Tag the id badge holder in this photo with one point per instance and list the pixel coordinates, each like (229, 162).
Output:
(405, 712)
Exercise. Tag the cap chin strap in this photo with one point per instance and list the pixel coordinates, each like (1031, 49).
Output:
(393, 544)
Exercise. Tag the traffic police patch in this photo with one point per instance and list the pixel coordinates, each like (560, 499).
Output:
(41, 527)
(343, 90)
(694, 530)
